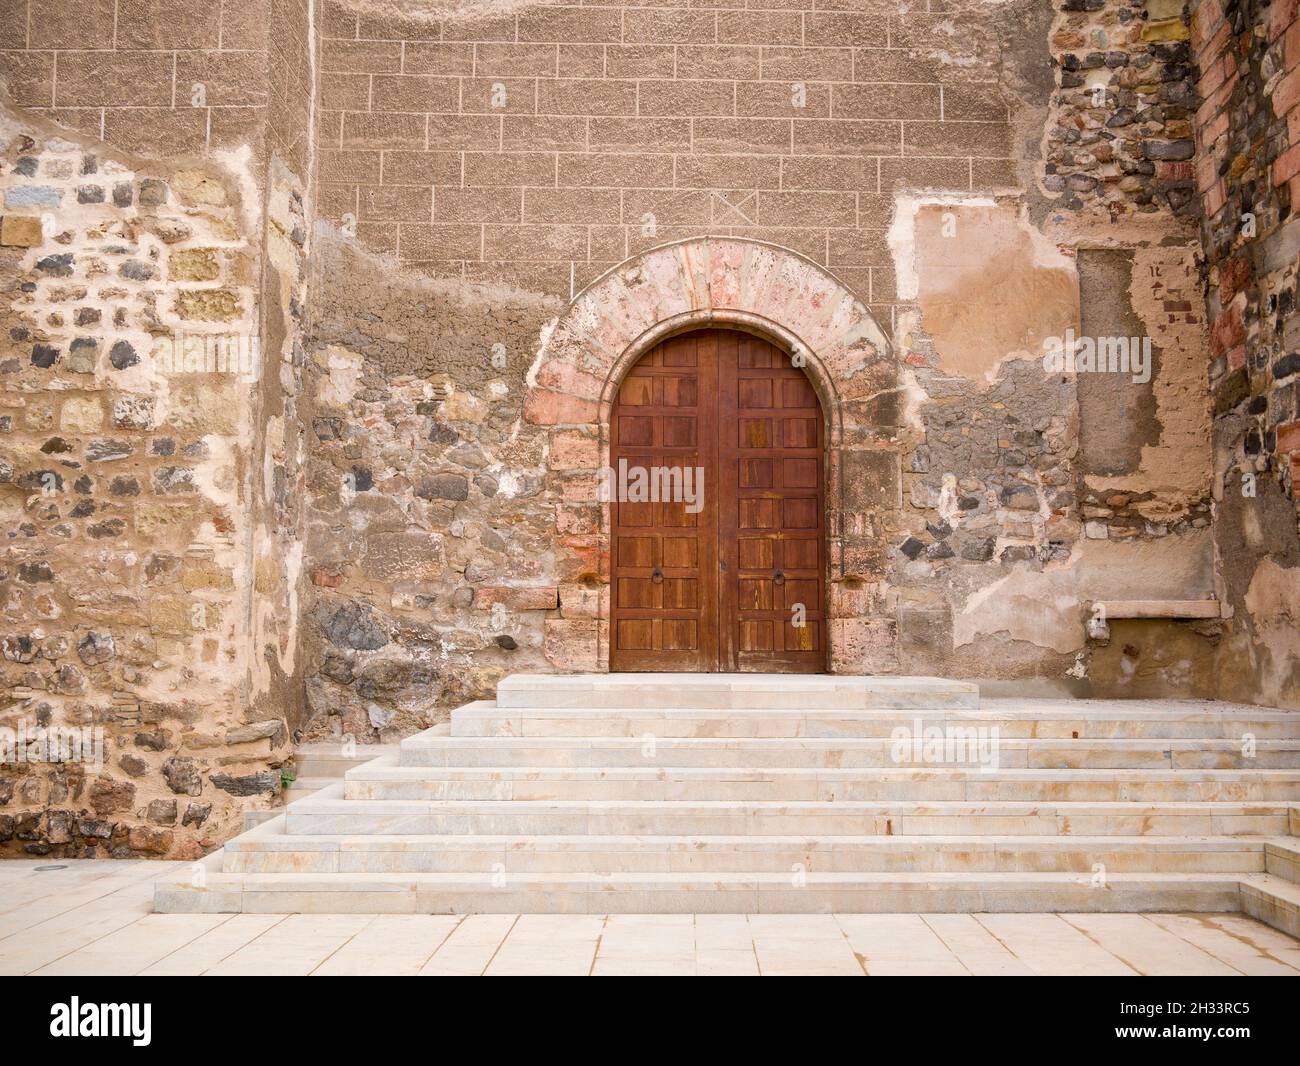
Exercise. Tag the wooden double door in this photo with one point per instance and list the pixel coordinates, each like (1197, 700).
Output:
(717, 510)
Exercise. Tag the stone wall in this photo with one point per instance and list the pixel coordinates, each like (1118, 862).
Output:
(152, 249)
(415, 207)
(1248, 175)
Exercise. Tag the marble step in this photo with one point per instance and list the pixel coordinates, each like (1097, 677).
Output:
(1282, 858)
(380, 780)
(730, 893)
(1042, 719)
(733, 691)
(841, 752)
(329, 759)
(328, 813)
(267, 851)
(1273, 900)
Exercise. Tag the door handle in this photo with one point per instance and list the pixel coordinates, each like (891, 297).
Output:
(778, 578)
(722, 565)
(657, 576)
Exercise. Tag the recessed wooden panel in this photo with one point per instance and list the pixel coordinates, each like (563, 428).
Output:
(681, 593)
(755, 432)
(634, 634)
(757, 553)
(755, 473)
(755, 635)
(799, 433)
(757, 514)
(798, 392)
(681, 552)
(721, 586)
(635, 551)
(635, 431)
(756, 593)
(679, 432)
(680, 634)
(755, 393)
(799, 554)
(800, 473)
(800, 513)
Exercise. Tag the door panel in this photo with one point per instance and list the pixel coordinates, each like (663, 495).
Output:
(739, 585)
(770, 532)
(664, 606)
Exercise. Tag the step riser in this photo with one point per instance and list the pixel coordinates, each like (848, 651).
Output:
(1215, 896)
(737, 692)
(800, 725)
(880, 754)
(730, 859)
(713, 822)
(813, 790)
(1283, 860)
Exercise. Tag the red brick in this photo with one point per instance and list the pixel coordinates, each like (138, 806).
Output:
(1234, 275)
(1287, 92)
(1288, 437)
(1281, 14)
(545, 408)
(1287, 165)
(1227, 331)
(542, 598)
(325, 579)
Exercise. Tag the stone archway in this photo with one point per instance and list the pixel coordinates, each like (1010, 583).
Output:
(748, 285)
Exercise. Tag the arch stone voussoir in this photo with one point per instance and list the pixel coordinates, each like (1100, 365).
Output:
(741, 284)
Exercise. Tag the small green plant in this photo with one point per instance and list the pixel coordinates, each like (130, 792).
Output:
(288, 776)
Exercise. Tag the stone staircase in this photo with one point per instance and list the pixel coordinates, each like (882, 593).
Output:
(768, 793)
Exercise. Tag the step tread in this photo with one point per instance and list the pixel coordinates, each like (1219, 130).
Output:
(381, 769)
(1275, 886)
(355, 882)
(282, 841)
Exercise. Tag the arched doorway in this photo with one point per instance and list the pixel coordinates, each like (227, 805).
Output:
(717, 509)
